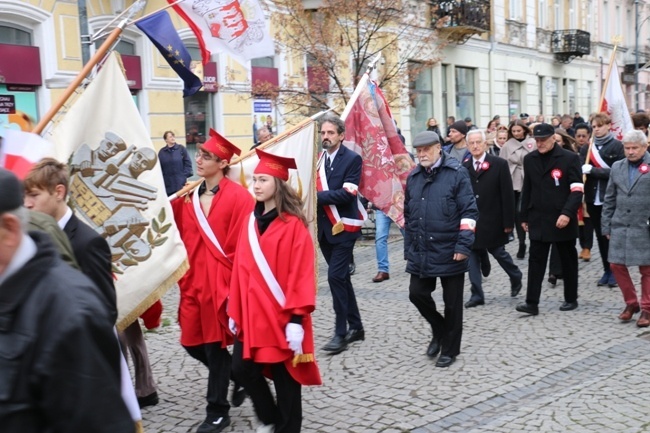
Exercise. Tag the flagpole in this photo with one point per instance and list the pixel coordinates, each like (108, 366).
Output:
(195, 184)
(600, 104)
(156, 11)
(360, 87)
(87, 69)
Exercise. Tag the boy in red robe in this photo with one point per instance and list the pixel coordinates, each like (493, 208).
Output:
(272, 296)
(209, 220)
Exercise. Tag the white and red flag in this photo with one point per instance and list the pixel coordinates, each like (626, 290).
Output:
(371, 132)
(614, 104)
(238, 27)
(20, 150)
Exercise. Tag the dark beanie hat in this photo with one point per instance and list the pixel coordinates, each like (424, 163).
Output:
(459, 126)
(11, 197)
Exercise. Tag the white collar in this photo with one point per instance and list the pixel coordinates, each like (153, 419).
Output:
(65, 218)
(333, 154)
(26, 250)
(474, 161)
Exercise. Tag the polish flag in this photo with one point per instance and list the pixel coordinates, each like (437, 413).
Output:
(615, 106)
(20, 151)
(238, 27)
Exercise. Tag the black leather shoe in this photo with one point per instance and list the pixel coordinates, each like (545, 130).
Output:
(552, 279)
(336, 345)
(486, 266)
(521, 252)
(568, 306)
(238, 395)
(474, 303)
(445, 361)
(355, 335)
(148, 400)
(434, 348)
(527, 308)
(515, 289)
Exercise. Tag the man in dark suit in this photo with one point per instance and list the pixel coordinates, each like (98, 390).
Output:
(340, 218)
(550, 198)
(492, 186)
(46, 190)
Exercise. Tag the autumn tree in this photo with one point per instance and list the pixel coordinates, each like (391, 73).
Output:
(336, 39)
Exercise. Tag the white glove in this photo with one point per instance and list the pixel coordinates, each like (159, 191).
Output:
(295, 334)
(586, 169)
(232, 326)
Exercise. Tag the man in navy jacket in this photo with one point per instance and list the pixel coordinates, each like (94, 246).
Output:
(339, 225)
(440, 216)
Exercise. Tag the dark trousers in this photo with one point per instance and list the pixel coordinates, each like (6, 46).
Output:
(554, 263)
(286, 414)
(537, 268)
(449, 328)
(132, 342)
(338, 258)
(586, 234)
(505, 261)
(218, 361)
(595, 213)
(521, 234)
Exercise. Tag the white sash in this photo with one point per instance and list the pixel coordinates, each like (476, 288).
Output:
(263, 265)
(600, 162)
(203, 223)
(351, 188)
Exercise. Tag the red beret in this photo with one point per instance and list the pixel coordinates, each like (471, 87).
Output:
(274, 165)
(218, 145)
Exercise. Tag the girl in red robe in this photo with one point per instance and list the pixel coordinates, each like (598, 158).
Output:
(272, 296)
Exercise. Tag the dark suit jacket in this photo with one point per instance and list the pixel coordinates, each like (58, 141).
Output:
(542, 201)
(610, 152)
(94, 258)
(346, 168)
(495, 200)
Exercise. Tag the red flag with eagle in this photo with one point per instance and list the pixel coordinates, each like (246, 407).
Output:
(615, 106)
(371, 131)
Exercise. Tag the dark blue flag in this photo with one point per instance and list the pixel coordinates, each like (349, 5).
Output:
(161, 31)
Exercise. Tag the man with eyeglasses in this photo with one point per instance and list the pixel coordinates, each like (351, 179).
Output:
(340, 218)
(210, 220)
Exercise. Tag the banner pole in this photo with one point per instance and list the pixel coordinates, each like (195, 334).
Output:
(357, 91)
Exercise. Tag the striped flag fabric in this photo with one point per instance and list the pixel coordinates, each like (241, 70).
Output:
(20, 150)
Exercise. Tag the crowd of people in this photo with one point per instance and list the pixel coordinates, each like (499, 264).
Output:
(472, 191)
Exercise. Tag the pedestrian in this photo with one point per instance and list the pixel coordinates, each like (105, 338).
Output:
(382, 230)
(271, 302)
(518, 145)
(60, 360)
(175, 164)
(577, 120)
(625, 224)
(263, 135)
(432, 125)
(492, 187)
(340, 218)
(605, 151)
(641, 121)
(551, 196)
(440, 217)
(566, 123)
(46, 190)
(209, 223)
(586, 228)
(457, 148)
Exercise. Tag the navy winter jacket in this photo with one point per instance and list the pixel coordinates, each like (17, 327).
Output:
(436, 205)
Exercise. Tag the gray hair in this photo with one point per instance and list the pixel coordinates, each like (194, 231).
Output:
(635, 136)
(475, 131)
(334, 120)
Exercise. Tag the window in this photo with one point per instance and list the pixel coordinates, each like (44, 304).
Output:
(559, 25)
(264, 62)
(514, 98)
(515, 10)
(590, 100)
(10, 35)
(571, 90)
(555, 100)
(198, 121)
(542, 11)
(445, 100)
(465, 98)
(606, 31)
(590, 17)
(122, 47)
(617, 21)
(421, 96)
(573, 14)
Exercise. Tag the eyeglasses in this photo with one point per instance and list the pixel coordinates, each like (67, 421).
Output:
(204, 156)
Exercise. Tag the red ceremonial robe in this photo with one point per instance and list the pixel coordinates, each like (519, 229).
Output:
(205, 287)
(260, 319)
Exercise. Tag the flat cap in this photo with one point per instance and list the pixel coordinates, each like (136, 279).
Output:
(12, 191)
(543, 130)
(426, 138)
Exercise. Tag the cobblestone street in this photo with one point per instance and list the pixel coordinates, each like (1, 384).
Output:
(576, 371)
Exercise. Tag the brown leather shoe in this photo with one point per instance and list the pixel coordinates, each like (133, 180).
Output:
(644, 319)
(630, 310)
(585, 254)
(381, 276)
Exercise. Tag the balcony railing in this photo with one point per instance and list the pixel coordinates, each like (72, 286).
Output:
(569, 44)
(458, 20)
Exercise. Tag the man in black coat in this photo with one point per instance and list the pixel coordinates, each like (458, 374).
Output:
(492, 186)
(551, 195)
(59, 359)
(340, 218)
(439, 219)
